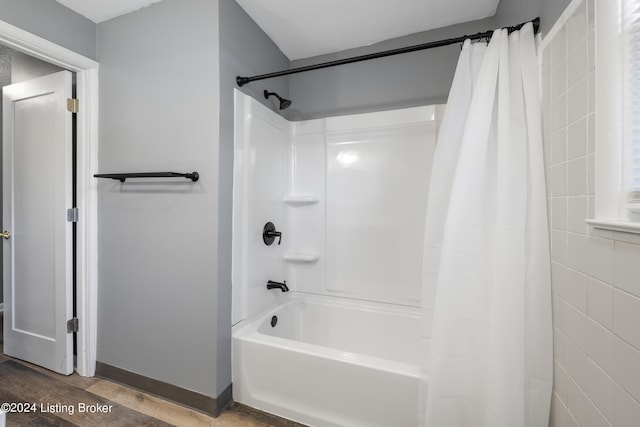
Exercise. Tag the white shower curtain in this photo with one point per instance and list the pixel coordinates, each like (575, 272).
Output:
(486, 294)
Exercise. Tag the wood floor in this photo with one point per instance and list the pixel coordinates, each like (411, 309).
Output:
(69, 401)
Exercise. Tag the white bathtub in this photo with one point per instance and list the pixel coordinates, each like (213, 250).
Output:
(330, 362)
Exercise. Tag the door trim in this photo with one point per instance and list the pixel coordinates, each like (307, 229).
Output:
(86, 70)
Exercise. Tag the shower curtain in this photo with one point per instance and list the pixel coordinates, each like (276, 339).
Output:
(486, 294)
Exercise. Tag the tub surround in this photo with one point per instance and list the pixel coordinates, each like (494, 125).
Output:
(348, 195)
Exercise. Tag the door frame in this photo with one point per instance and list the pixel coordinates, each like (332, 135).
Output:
(86, 70)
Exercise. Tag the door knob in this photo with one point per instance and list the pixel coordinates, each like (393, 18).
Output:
(5, 234)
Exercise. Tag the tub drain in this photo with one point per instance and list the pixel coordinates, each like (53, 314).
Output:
(274, 321)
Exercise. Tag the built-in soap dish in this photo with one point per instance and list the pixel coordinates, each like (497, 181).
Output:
(301, 199)
(301, 256)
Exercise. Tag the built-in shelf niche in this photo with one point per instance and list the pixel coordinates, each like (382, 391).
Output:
(301, 199)
(301, 256)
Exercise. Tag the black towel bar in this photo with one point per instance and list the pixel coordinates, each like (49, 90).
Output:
(122, 177)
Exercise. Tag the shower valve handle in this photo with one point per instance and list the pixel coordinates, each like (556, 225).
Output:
(274, 234)
(269, 234)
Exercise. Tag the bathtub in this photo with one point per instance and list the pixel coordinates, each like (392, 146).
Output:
(330, 361)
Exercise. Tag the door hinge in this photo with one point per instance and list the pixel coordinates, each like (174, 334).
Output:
(72, 325)
(73, 105)
(72, 215)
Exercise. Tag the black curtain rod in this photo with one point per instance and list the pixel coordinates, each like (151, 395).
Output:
(241, 81)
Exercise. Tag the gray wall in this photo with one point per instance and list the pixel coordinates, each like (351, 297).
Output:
(407, 80)
(511, 12)
(25, 67)
(550, 12)
(158, 297)
(5, 67)
(52, 21)
(244, 50)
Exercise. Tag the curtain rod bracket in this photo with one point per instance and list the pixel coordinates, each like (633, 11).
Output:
(241, 81)
(536, 25)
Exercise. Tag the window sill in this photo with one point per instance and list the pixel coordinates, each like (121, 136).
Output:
(621, 226)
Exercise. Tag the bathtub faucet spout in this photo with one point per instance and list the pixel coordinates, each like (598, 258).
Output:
(277, 285)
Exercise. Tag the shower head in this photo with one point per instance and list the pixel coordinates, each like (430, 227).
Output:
(284, 103)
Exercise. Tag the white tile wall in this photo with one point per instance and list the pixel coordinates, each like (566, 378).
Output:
(595, 274)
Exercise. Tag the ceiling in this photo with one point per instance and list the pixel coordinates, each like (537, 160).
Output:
(309, 28)
(103, 10)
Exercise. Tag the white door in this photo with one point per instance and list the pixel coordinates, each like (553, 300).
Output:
(38, 246)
